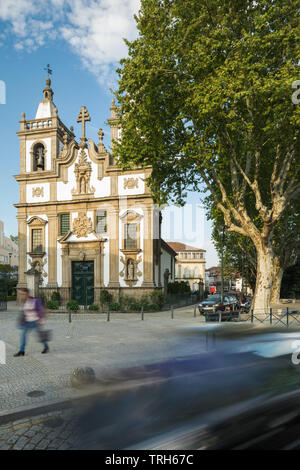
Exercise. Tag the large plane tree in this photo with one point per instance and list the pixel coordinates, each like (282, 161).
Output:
(206, 99)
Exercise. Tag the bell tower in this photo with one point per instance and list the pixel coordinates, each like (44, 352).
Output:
(41, 139)
(41, 142)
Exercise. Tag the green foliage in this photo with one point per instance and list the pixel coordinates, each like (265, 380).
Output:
(114, 306)
(205, 99)
(55, 296)
(11, 286)
(52, 305)
(11, 297)
(179, 287)
(73, 305)
(94, 307)
(14, 238)
(5, 268)
(158, 298)
(105, 297)
(133, 304)
(290, 283)
(154, 307)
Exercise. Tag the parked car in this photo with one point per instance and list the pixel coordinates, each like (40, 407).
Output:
(246, 304)
(213, 304)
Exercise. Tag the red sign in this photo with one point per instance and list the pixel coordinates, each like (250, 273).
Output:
(212, 289)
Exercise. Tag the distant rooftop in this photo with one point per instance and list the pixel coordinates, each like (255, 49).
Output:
(177, 246)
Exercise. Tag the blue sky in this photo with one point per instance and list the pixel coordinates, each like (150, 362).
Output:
(82, 41)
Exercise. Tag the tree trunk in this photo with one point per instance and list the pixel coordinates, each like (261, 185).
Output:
(276, 285)
(264, 278)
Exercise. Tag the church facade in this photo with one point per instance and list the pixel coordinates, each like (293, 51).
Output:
(85, 224)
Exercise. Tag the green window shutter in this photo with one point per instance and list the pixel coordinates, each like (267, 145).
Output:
(101, 222)
(37, 242)
(64, 223)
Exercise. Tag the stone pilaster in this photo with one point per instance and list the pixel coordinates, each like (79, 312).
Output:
(113, 224)
(52, 250)
(22, 244)
(148, 252)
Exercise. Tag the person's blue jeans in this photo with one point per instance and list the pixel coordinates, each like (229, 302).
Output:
(29, 326)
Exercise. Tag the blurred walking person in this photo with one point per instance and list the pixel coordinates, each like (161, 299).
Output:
(31, 318)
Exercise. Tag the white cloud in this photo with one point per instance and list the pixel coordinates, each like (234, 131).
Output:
(94, 29)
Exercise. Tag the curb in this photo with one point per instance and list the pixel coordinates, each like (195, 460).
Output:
(24, 412)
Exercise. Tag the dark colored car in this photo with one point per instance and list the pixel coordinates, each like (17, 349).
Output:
(213, 304)
(243, 391)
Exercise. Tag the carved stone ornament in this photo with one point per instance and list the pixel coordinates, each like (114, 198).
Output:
(38, 192)
(82, 225)
(130, 183)
(130, 271)
(38, 264)
(83, 171)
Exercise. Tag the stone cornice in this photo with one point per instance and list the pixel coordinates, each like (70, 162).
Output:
(86, 201)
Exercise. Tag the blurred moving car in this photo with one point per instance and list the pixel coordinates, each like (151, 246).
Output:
(242, 391)
(213, 303)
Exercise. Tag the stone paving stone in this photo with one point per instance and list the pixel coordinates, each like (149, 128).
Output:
(21, 431)
(36, 439)
(5, 446)
(20, 443)
(123, 341)
(12, 440)
(29, 446)
(42, 445)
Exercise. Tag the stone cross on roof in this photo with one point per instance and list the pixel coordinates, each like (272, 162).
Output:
(83, 117)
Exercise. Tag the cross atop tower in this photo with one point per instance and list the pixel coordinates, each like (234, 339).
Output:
(83, 117)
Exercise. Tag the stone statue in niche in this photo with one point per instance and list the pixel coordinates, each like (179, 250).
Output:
(82, 186)
(83, 171)
(130, 270)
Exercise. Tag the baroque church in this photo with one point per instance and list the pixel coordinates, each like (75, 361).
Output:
(83, 223)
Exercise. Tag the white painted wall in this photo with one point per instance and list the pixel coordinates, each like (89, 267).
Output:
(102, 188)
(165, 263)
(131, 192)
(59, 264)
(32, 199)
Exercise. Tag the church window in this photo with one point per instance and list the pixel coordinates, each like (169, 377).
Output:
(130, 238)
(101, 221)
(196, 273)
(64, 223)
(38, 157)
(37, 240)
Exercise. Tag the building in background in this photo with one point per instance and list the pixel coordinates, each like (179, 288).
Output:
(190, 265)
(233, 281)
(8, 249)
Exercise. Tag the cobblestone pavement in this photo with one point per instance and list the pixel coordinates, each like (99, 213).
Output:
(50, 431)
(90, 340)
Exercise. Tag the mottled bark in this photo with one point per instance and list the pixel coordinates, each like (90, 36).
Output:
(264, 279)
(276, 285)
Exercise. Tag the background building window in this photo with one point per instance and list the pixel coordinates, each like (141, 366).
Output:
(64, 223)
(130, 238)
(37, 240)
(101, 222)
(186, 273)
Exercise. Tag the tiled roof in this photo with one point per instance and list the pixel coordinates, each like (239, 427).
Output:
(177, 246)
(167, 247)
